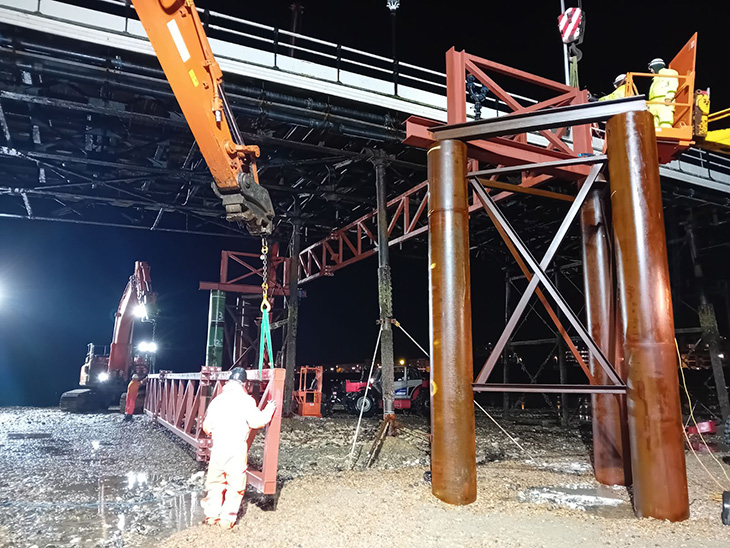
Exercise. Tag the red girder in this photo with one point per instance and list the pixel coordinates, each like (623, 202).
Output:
(179, 403)
(320, 259)
(238, 266)
(407, 219)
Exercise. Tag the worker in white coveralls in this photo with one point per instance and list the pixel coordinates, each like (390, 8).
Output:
(619, 91)
(661, 93)
(230, 418)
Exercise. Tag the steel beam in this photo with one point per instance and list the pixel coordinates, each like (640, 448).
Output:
(453, 447)
(655, 415)
(611, 457)
(216, 322)
(708, 323)
(488, 204)
(542, 277)
(292, 307)
(549, 388)
(542, 166)
(562, 365)
(505, 354)
(519, 189)
(526, 122)
(385, 293)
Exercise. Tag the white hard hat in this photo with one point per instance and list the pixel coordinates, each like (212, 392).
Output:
(135, 377)
(619, 80)
(657, 61)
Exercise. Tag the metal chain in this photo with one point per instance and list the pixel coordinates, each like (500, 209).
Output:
(265, 304)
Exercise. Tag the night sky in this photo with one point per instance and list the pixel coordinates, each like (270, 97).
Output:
(60, 284)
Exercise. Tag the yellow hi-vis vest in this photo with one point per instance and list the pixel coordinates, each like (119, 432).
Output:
(663, 89)
(618, 93)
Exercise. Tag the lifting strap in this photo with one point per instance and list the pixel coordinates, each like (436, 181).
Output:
(265, 336)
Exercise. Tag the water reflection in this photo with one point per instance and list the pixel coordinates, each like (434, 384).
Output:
(144, 504)
(137, 479)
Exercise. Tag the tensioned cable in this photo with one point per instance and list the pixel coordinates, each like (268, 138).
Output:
(367, 388)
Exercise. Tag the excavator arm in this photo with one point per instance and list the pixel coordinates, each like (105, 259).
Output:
(177, 36)
(137, 292)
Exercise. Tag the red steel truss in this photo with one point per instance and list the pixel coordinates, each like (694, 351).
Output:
(179, 401)
(408, 212)
(359, 239)
(515, 149)
(243, 273)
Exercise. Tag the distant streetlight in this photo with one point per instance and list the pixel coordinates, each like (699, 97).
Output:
(402, 361)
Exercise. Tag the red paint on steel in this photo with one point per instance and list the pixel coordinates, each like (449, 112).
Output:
(243, 273)
(356, 241)
(655, 415)
(179, 403)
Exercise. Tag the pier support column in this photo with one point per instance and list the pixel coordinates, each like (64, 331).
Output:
(611, 456)
(453, 449)
(385, 293)
(654, 412)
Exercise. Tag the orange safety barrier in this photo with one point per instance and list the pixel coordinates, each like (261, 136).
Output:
(309, 395)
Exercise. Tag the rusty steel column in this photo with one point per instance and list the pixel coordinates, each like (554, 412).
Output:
(562, 366)
(708, 323)
(453, 449)
(654, 412)
(505, 353)
(385, 293)
(611, 457)
(292, 315)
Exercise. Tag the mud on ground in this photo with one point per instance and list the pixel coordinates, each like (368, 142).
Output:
(94, 481)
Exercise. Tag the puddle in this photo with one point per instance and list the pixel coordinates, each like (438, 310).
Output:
(136, 509)
(601, 501)
(563, 467)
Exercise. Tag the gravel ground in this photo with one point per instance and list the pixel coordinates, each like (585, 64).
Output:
(93, 481)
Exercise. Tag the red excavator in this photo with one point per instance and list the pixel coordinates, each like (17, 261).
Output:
(104, 376)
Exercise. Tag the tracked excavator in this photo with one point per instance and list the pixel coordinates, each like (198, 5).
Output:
(176, 33)
(104, 376)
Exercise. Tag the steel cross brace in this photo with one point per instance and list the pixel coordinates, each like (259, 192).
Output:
(541, 276)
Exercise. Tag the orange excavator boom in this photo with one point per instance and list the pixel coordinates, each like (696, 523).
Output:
(178, 38)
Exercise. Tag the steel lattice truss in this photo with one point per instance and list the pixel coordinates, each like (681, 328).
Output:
(93, 135)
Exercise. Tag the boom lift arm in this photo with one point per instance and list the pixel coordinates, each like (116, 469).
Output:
(176, 33)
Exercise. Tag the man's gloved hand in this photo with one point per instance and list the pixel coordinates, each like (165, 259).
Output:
(271, 408)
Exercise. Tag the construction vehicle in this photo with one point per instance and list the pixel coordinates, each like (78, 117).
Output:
(177, 36)
(411, 392)
(105, 375)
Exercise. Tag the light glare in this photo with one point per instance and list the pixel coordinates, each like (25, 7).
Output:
(147, 346)
(140, 311)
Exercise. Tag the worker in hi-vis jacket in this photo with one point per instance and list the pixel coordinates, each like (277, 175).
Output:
(661, 93)
(131, 401)
(619, 91)
(230, 418)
